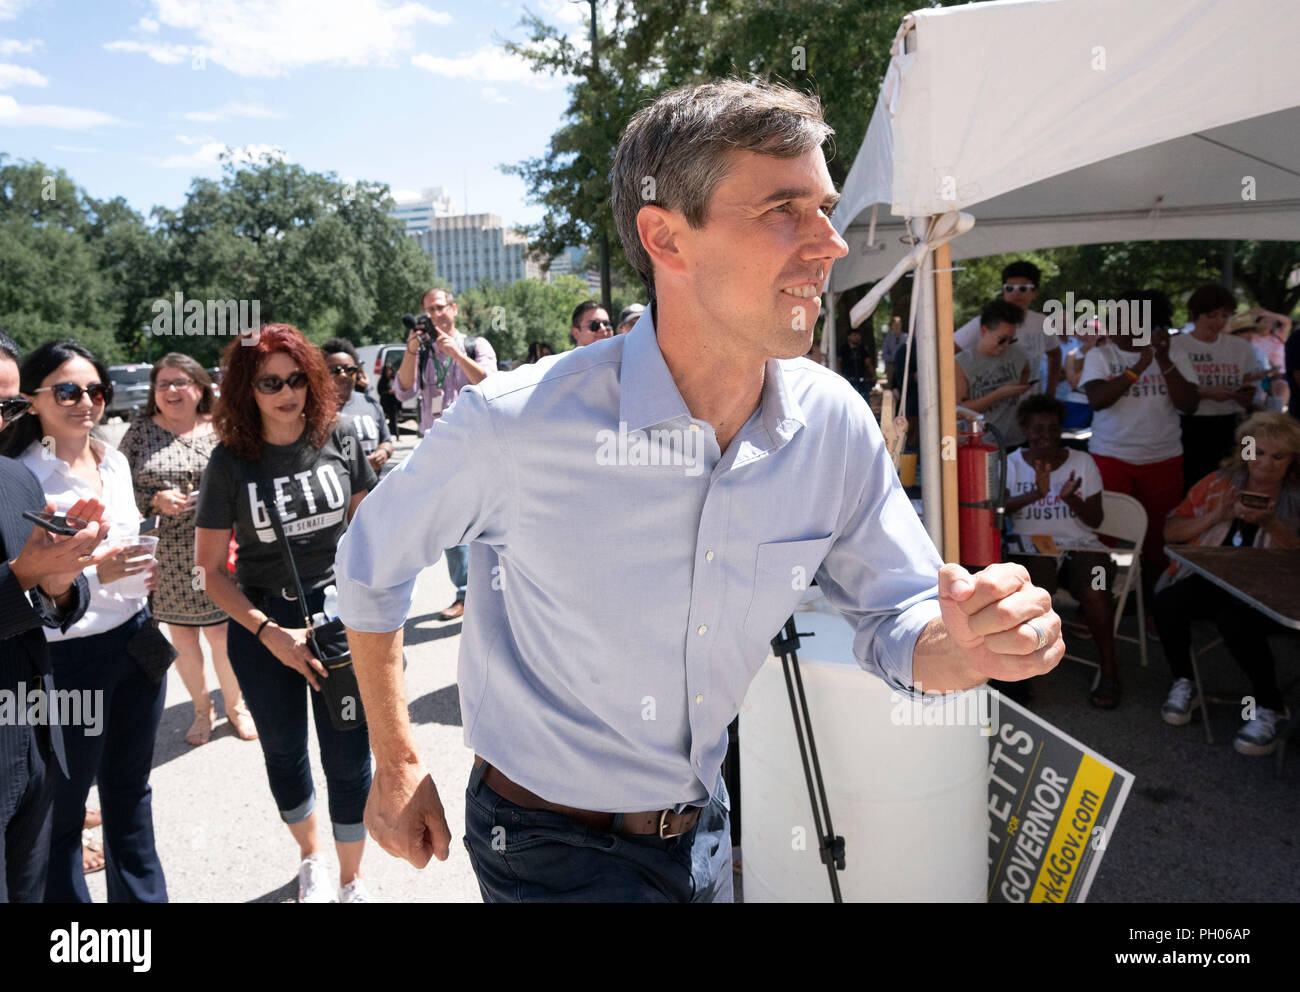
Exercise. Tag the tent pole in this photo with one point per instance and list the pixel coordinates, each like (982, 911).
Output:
(927, 382)
(950, 548)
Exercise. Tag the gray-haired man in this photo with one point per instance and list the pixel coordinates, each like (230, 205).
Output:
(600, 668)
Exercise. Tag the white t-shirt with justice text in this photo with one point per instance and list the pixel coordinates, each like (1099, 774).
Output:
(1221, 362)
(1051, 515)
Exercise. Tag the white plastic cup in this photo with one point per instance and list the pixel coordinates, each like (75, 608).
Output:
(142, 547)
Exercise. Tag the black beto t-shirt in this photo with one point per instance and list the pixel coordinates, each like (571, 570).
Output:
(367, 417)
(312, 490)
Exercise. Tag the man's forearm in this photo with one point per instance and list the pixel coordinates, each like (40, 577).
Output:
(377, 660)
(939, 665)
(474, 372)
(406, 371)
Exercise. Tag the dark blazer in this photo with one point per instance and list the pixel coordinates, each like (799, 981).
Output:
(24, 655)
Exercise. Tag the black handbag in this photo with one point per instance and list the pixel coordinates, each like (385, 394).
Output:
(151, 651)
(328, 642)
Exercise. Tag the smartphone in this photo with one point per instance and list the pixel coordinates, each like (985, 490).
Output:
(55, 523)
(1256, 501)
(150, 524)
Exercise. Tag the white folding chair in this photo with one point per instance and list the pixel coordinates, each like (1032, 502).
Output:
(1123, 517)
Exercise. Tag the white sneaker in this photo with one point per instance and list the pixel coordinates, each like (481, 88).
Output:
(1180, 702)
(1259, 736)
(312, 884)
(354, 891)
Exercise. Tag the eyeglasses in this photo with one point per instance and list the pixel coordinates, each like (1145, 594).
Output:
(162, 387)
(1005, 340)
(269, 385)
(1018, 287)
(69, 393)
(595, 326)
(13, 408)
(338, 370)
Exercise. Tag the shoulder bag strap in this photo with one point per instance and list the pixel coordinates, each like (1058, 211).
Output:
(286, 552)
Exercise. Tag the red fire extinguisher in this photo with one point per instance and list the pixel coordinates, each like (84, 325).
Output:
(981, 481)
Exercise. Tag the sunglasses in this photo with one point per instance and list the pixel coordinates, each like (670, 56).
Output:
(13, 408)
(339, 370)
(163, 387)
(269, 385)
(1005, 340)
(1018, 287)
(69, 393)
(596, 326)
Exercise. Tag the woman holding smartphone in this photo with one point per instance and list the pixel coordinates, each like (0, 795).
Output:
(1247, 503)
(168, 447)
(98, 657)
(281, 441)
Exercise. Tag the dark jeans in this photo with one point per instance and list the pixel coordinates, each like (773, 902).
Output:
(1245, 633)
(458, 568)
(26, 797)
(1206, 442)
(274, 693)
(523, 855)
(120, 759)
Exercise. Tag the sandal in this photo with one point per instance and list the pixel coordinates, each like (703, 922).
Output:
(241, 721)
(200, 731)
(1106, 693)
(92, 854)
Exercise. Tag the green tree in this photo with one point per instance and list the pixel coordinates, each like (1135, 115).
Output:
(526, 310)
(836, 50)
(312, 251)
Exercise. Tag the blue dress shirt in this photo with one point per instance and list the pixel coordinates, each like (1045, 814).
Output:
(626, 577)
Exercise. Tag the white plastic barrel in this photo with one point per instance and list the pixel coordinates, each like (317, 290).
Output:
(910, 800)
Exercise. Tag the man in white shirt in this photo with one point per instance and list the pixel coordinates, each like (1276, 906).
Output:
(1020, 282)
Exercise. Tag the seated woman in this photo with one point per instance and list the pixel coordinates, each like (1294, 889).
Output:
(1213, 514)
(1055, 492)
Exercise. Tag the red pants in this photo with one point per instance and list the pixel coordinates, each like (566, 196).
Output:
(1158, 487)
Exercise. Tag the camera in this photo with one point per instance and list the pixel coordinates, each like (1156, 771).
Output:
(422, 324)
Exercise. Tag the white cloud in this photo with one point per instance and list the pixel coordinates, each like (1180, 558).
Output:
(184, 140)
(167, 54)
(19, 75)
(78, 149)
(12, 46)
(9, 9)
(229, 111)
(148, 25)
(209, 154)
(255, 38)
(13, 114)
(487, 65)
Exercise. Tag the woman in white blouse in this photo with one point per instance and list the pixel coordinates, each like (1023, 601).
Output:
(112, 736)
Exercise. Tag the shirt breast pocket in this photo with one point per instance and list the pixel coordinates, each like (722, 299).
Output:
(783, 571)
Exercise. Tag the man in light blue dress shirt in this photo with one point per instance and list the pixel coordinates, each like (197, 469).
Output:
(601, 663)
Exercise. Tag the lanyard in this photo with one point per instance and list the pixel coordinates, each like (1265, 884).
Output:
(439, 368)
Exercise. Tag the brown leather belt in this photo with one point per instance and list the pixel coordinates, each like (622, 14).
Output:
(662, 822)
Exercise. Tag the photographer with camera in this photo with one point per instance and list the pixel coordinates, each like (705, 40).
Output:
(439, 362)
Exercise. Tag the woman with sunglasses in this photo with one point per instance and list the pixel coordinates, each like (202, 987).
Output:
(68, 389)
(281, 441)
(355, 404)
(993, 376)
(168, 448)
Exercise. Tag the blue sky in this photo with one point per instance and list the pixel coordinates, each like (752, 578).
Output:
(137, 97)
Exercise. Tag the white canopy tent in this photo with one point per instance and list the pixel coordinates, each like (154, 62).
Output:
(1150, 120)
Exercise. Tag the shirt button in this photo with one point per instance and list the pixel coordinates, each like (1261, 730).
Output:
(708, 556)
(695, 427)
(698, 763)
(703, 629)
(699, 698)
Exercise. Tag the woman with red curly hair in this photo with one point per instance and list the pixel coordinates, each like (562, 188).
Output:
(279, 434)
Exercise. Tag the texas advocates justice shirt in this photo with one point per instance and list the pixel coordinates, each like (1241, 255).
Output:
(312, 489)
